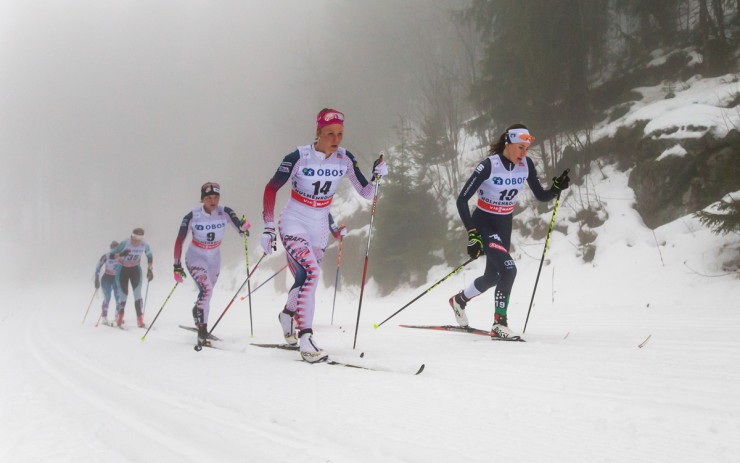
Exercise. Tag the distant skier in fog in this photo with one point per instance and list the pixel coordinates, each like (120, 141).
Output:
(130, 252)
(111, 264)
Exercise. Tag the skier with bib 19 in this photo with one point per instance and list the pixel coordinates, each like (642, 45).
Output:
(206, 224)
(498, 180)
(315, 171)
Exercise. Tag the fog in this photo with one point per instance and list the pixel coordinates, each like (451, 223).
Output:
(113, 113)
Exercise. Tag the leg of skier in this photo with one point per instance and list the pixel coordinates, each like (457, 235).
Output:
(136, 282)
(108, 284)
(302, 296)
(122, 280)
(198, 269)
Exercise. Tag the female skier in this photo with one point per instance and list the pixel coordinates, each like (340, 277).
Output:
(108, 281)
(498, 180)
(315, 171)
(130, 252)
(207, 224)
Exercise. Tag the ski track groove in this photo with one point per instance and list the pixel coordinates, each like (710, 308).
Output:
(56, 359)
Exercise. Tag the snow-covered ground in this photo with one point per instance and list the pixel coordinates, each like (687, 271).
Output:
(580, 389)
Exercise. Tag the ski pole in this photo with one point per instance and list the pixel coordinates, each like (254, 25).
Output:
(367, 253)
(160, 310)
(99, 318)
(249, 289)
(542, 260)
(146, 297)
(336, 279)
(89, 305)
(236, 294)
(241, 298)
(377, 325)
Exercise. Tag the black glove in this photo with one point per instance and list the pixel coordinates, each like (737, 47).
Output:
(561, 183)
(97, 283)
(475, 243)
(149, 275)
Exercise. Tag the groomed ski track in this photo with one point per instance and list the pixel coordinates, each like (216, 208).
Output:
(77, 393)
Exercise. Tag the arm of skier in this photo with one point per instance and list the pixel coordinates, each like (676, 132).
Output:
(482, 172)
(241, 227)
(534, 183)
(181, 234)
(149, 256)
(284, 172)
(101, 262)
(358, 181)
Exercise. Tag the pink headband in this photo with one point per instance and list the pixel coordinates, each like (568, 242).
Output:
(329, 117)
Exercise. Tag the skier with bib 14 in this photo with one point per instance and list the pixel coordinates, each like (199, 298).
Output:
(498, 180)
(314, 171)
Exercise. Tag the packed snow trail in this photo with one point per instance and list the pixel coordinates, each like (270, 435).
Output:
(78, 393)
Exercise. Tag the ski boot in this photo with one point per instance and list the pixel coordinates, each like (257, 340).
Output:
(203, 335)
(500, 330)
(140, 321)
(458, 303)
(310, 352)
(288, 326)
(119, 319)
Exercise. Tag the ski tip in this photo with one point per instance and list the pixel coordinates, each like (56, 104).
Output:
(421, 368)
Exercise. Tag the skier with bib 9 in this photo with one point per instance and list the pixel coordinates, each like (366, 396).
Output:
(111, 263)
(207, 224)
(498, 180)
(314, 171)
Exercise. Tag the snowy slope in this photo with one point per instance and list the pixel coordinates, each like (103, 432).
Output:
(580, 389)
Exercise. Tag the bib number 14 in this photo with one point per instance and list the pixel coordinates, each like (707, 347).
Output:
(318, 188)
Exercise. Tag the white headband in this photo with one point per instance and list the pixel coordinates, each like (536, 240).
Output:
(518, 136)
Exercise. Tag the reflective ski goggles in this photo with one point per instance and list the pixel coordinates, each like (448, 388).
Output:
(210, 188)
(519, 136)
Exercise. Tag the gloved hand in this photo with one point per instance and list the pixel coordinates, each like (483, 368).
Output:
(338, 232)
(268, 238)
(380, 168)
(561, 183)
(97, 283)
(149, 275)
(475, 243)
(245, 226)
(179, 273)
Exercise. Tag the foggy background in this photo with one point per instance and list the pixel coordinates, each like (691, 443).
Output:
(113, 113)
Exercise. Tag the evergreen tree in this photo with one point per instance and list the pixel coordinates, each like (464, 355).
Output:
(726, 220)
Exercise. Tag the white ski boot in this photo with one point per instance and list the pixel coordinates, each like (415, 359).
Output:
(500, 330)
(458, 307)
(310, 352)
(288, 325)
